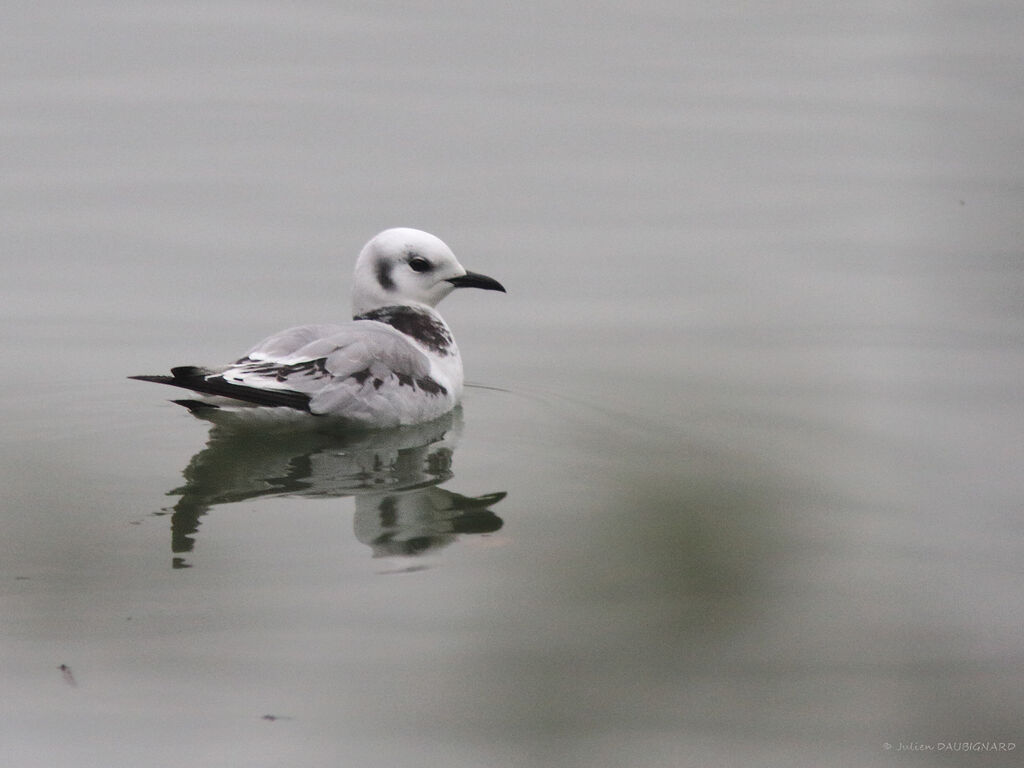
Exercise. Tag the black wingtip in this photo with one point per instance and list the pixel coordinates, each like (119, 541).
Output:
(207, 382)
(179, 375)
(197, 406)
(191, 372)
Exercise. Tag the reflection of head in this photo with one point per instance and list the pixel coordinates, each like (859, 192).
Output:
(411, 522)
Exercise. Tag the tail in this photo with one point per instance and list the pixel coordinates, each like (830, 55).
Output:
(211, 383)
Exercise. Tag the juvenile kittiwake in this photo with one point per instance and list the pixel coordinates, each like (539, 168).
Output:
(395, 364)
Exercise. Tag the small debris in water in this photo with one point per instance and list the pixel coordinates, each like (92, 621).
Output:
(273, 718)
(69, 678)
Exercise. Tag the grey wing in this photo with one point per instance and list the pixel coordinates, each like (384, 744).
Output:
(348, 370)
(289, 342)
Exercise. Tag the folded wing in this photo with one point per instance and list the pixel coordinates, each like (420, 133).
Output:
(365, 371)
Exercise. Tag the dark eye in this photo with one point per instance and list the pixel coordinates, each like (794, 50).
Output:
(419, 264)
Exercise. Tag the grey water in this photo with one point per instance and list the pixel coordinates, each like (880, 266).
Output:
(738, 478)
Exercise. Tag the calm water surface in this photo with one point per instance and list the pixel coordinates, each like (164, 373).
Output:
(739, 479)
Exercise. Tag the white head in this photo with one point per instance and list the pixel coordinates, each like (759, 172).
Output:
(409, 267)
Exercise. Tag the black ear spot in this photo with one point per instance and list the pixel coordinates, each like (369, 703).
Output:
(384, 275)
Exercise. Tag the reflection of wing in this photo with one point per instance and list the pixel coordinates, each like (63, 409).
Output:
(243, 461)
(246, 461)
(365, 371)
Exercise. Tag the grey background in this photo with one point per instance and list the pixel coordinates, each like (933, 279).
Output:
(759, 371)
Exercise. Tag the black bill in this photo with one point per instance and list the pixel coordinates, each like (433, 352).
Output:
(476, 280)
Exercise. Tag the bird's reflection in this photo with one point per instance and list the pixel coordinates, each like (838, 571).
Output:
(393, 475)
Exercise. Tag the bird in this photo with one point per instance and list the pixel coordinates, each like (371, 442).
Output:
(395, 364)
